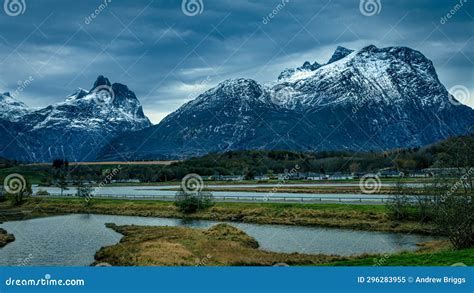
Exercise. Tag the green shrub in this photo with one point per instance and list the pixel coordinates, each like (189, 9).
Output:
(191, 202)
(42, 193)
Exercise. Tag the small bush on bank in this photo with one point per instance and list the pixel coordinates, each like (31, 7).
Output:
(191, 202)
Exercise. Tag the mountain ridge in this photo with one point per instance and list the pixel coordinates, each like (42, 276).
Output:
(370, 99)
(75, 128)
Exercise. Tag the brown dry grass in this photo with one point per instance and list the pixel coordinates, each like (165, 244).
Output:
(221, 245)
(360, 217)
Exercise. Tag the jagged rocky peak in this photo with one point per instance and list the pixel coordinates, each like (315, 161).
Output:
(11, 109)
(85, 122)
(399, 57)
(122, 91)
(340, 53)
(294, 73)
(101, 81)
(370, 99)
(308, 66)
(119, 92)
(239, 88)
(7, 99)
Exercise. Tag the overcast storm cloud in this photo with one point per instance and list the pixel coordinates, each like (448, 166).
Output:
(168, 52)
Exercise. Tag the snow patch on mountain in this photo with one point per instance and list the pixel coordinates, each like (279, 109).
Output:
(76, 128)
(11, 109)
(370, 99)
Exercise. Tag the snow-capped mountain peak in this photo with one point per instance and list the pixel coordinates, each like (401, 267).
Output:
(76, 128)
(11, 109)
(339, 53)
(369, 99)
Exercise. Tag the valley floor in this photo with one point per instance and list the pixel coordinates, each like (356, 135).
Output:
(225, 245)
(358, 217)
(220, 245)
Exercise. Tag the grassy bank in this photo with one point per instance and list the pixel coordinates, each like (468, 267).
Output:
(224, 245)
(360, 217)
(221, 245)
(5, 238)
(443, 257)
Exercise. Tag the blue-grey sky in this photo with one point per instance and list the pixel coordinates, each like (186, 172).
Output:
(167, 57)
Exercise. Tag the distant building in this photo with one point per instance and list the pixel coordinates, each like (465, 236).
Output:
(262, 178)
(444, 171)
(390, 174)
(340, 176)
(126, 181)
(228, 177)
